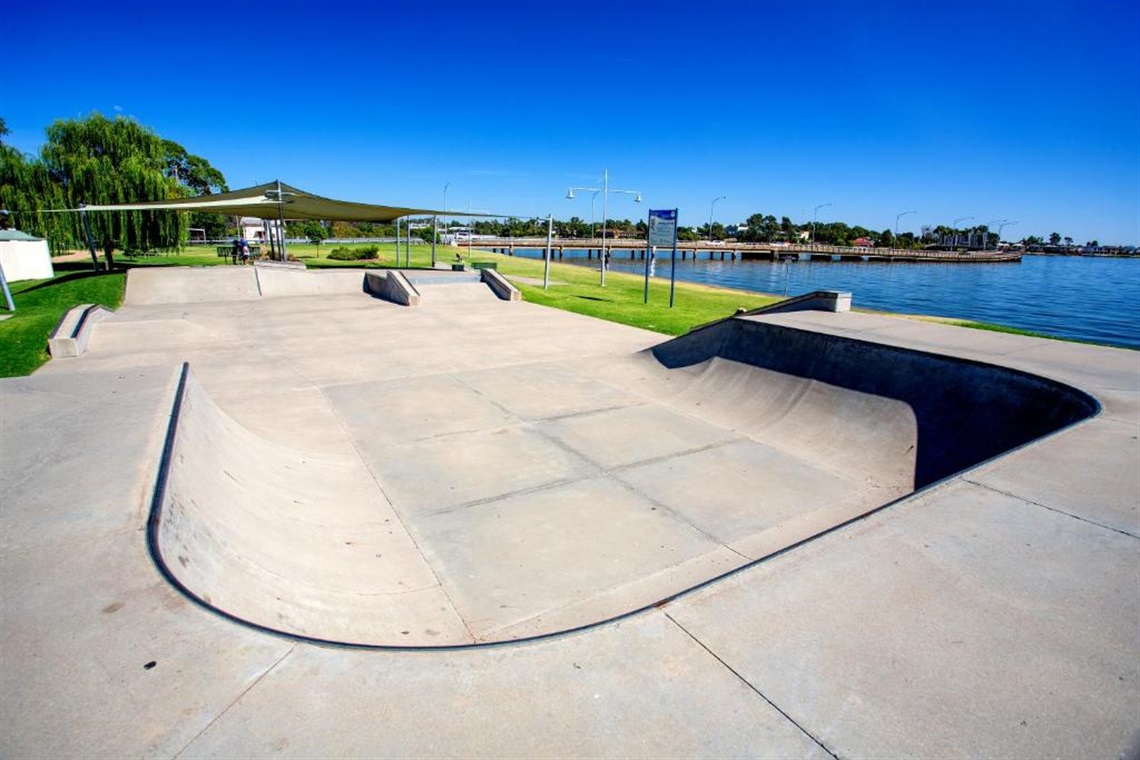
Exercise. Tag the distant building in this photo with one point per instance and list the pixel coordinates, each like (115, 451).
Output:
(24, 256)
(864, 243)
(259, 230)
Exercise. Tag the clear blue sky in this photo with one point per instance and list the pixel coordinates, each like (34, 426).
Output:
(1026, 111)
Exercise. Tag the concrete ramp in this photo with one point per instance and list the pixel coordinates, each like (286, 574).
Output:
(275, 282)
(164, 285)
(455, 293)
(301, 543)
(868, 438)
(966, 412)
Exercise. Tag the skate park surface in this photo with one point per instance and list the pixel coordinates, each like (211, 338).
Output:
(542, 534)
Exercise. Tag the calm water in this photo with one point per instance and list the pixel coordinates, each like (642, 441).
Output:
(1087, 298)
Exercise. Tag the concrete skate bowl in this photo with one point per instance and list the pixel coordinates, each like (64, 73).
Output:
(637, 479)
(966, 412)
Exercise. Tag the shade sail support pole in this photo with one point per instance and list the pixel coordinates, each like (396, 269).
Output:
(281, 223)
(90, 240)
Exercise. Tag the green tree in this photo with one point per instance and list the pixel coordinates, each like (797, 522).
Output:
(1054, 238)
(96, 160)
(315, 232)
(99, 161)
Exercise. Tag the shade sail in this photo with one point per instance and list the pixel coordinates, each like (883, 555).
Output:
(262, 201)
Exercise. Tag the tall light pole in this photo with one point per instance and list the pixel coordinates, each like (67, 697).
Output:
(813, 216)
(711, 207)
(445, 201)
(1002, 226)
(605, 190)
(954, 229)
(897, 217)
(593, 214)
(986, 234)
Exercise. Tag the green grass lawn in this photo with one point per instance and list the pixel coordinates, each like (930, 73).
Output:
(39, 306)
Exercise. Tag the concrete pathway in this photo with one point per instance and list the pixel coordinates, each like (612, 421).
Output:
(995, 614)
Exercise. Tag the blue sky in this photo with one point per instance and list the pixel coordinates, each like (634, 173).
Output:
(1027, 111)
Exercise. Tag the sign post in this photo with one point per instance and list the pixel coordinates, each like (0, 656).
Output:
(663, 233)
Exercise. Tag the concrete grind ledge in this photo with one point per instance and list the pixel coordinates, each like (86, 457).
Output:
(992, 614)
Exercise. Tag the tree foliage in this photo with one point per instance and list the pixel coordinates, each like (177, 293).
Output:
(96, 160)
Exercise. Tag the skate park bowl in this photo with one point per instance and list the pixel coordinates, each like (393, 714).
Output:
(505, 503)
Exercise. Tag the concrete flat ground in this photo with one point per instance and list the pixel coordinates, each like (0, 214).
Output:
(479, 471)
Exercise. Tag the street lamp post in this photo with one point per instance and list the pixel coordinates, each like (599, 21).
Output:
(711, 207)
(813, 217)
(954, 230)
(1003, 225)
(897, 217)
(593, 213)
(605, 190)
(986, 234)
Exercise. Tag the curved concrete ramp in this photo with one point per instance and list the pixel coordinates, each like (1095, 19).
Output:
(295, 542)
(544, 514)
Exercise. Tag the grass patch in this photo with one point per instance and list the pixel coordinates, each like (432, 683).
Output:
(622, 299)
(39, 306)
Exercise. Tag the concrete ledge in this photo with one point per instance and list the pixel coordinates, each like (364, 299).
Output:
(280, 264)
(819, 300)
(392, 286)
(70, 337)
(501, 287)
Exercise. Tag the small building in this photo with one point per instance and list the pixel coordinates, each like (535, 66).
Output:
(24, 257)
(864, 242)
(254, 230)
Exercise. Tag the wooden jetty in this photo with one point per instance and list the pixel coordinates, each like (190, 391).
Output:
(636, 249)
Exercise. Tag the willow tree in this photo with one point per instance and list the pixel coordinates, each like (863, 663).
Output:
(25, 187)
(102, 161)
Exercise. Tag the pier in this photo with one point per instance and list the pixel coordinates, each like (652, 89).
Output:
(637, 249)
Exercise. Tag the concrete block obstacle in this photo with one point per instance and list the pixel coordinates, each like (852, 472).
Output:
(392, 286)
(500, 286)
(73, 331)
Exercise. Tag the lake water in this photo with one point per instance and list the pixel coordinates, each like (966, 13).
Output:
(1081, 297)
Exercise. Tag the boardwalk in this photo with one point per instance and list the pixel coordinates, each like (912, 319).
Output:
(635, 249)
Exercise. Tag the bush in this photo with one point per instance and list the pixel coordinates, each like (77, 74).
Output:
(354, 254)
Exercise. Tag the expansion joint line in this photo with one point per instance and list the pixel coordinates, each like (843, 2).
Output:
(1051, 509)
(749, 684)
(400, 518)
(236, 699)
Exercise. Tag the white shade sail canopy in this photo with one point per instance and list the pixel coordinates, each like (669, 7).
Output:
(276, 199)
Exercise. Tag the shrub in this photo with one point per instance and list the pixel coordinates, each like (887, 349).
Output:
(354, 254)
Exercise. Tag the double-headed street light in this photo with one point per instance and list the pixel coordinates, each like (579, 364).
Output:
(605, 190)
(814, 212)
(711, 207)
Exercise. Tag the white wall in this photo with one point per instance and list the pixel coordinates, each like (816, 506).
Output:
(25, 260)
